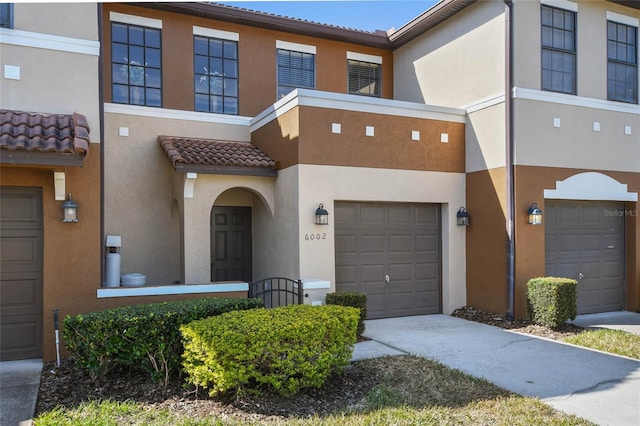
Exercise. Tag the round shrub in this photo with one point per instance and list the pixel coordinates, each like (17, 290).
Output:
(282, 349)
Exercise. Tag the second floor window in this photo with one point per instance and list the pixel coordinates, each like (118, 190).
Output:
(364, 78)
(622, 65)
(558, 50)
(6, 15)
(295, 70)
(136, 71)
(216, 75)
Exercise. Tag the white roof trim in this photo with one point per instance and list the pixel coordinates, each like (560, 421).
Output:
(48, 41)
(210, 32)
(374, 59)
(339, 101)
(296, 47)
(590, 186)
(622, 19)
(175, 114)
(135, 20)
(561, 4)
(579, 101)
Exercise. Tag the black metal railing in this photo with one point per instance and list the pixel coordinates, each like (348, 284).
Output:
(277, 291)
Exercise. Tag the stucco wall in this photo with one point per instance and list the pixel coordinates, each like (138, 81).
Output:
(575, 144)
(257, 90)
(457, 63)
(138, 189)
(327, 184)
(591, 45)
(77, 20)
(485, 139)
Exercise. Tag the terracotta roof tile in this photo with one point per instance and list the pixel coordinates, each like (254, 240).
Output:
(217, 153)
(39, 132)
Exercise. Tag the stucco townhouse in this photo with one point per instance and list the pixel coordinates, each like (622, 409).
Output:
(200, 141)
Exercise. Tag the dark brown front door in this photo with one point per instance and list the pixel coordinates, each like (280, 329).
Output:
(20, 273)
(390, 252)
(231, 244)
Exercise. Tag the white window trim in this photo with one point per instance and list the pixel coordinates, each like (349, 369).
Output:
(210, 32)
(48, 41)
(623, 19)
(296, 47)
(135, 20)
(561, 4)
(364, 57)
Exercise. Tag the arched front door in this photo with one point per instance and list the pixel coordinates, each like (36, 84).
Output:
(231, 244)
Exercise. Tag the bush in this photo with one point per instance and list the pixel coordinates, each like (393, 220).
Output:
(283, 349)
(144, 337)
(355, 300)
(552, 301)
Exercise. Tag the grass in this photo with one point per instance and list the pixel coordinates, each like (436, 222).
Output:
(606, 340)
(412, 390)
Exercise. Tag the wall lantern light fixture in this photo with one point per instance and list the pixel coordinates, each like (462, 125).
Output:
(535, 215)
(70, 211)
(322, 216)
(463, 217)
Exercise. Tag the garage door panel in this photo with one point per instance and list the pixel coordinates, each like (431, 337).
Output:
(400, 215)
(21, 262)
(584, 243)
(390, 241)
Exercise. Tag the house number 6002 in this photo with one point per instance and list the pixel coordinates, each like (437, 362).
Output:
(322, 236)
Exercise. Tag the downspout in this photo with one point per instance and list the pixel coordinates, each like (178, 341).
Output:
(102, 150)
(510, 202)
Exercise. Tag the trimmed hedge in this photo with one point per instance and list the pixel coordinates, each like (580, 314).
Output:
(552, 301)
(353, 299)
(281, 349)
(144, 337)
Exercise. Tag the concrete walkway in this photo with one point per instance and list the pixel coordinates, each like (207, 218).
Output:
(602, 388)
(623, 320)
(19, 383)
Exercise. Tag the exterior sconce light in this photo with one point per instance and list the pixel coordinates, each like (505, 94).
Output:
(535, 215)
(70, 211)
(322, 216)
(463, 217)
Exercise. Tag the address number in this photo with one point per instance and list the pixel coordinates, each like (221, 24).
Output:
(311, 237)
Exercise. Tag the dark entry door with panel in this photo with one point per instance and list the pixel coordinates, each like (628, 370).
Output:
(20, 273)
(390, 252)
(231, 244)
(584, 240)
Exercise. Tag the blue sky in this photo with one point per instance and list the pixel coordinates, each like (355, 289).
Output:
(367, 15)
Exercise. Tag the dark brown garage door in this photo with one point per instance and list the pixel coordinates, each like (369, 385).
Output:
(20, 273)
(390, 252)
(585, 241)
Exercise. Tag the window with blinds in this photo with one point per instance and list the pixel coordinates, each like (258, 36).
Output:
(364, 78)
(296, 70)
(622, 66)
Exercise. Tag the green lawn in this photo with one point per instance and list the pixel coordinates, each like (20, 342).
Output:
(612, 341)
(412, 390)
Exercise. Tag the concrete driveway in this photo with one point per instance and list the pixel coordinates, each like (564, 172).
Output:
(599, 387)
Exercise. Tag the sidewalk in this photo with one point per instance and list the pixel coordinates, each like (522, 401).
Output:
(19, 383)
(602, 388)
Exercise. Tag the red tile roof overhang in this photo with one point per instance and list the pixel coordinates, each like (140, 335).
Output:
(40, 139)
(192, 155)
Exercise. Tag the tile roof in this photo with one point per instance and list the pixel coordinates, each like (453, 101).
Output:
(216, 156)
(39, 132)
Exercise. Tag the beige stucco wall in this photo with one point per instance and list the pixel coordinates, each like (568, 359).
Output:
(457, 63)
(327, 184)
(591, 45)
(485, 138)
(139, 197)
(575, 144)
(51, 81)
(78, 20)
